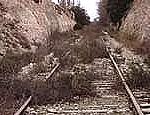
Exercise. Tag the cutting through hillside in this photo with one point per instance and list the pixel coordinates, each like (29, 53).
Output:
(55, 61)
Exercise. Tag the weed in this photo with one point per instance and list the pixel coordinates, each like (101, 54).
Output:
(118, 50)
(138, 77)
(147, 60)
(87, 50)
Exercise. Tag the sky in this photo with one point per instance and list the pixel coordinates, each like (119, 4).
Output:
(90, 6)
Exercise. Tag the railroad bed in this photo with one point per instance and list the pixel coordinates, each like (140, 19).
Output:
(141, 97)
(107, 100)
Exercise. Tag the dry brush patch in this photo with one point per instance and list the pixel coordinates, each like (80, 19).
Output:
(88, 49)
(10, 65)
(132, 40)
(138, 76)
(62, 85)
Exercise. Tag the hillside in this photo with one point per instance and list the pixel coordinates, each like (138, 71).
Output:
(25, 23)
(138, 19)
(137, 26)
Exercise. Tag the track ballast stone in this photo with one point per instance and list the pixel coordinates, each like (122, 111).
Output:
(106, 101)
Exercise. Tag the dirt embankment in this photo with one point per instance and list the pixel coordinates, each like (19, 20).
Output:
(137, 26)
(138, 19)
(24, 23)
(25, 31)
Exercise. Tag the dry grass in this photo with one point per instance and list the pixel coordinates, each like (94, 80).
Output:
(62, 85)
(138, 77)
(131, 40)
(128, 38)
(87, 50)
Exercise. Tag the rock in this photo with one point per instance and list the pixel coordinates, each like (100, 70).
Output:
(138, 19)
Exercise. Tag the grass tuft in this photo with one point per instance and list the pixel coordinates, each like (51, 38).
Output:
(138, 77)
(87, 50)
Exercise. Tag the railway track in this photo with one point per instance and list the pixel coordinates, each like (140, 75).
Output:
(28, 101)
(107, 100)
(139, 98)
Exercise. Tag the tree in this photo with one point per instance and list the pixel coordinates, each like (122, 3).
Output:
(81, 17)
(102, 12)
(115, 10)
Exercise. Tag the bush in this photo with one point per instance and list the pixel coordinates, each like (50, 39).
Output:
(87, 50)
(138, 77)
(12, 63)
(80, 81)
(81, 17)
(131, 40)
(147, 60)
(62, 85)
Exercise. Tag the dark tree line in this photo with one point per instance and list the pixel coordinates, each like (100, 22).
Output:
(115, 10)
(81, 17)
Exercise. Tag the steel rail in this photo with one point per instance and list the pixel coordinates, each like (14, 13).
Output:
(136, 105)
(26, 104)
(53, 70)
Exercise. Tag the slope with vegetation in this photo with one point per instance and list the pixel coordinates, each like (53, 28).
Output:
(137, 24)
(26, 23)
(131, 18)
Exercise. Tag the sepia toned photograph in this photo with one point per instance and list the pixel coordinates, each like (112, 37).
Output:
(74, 57)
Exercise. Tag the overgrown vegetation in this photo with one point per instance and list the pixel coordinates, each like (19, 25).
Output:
(127, 37)
(130, 39)
(89, 49)
(81, 17)
(62, 85)
(147, 60)
(68, 82)
(138, 76)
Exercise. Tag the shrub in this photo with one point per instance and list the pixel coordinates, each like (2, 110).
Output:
(87, 50)
(128, 38)
(131, 39)
(12, 63)
(138, 77)
(147, 60)
(62, 85)
(80, 81)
